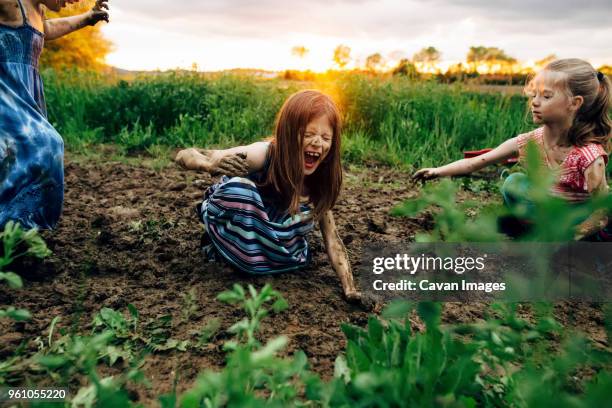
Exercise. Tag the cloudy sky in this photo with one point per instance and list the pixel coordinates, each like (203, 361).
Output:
(216, 34)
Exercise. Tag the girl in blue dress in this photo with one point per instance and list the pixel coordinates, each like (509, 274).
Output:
(31, 150)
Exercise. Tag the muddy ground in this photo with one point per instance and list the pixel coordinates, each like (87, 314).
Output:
(129, 235)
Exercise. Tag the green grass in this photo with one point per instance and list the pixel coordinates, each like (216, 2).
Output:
(425, 123)
(394, 121)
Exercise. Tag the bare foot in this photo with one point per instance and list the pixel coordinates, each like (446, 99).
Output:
(194, 159)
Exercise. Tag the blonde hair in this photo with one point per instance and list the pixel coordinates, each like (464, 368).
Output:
(592, 123)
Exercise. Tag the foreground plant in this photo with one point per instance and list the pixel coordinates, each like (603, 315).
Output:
(71, 356)
(17, 243)
(503, 360)
(512, 365)
(254, 304)
(500, 362)
(134, 337)
(254, 374)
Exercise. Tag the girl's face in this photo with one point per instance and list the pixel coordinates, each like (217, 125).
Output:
(57, 5)
(549, 101)
(318, 138)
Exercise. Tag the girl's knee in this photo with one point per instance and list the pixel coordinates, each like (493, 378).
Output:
(515, 189)
(514, 179)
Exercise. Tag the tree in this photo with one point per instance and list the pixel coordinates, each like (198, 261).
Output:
(427, 58)
(406, 68)
(373, 62)
(299, 51)
(342, 56)
(85, 49)
(491, 57)
(499, 61)
(475, 56)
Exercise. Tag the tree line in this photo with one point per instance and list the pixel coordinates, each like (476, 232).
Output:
(478, 59)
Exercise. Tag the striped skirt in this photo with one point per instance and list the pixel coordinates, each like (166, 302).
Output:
(250, 233)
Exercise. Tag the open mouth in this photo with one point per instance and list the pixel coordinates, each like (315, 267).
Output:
(311, 159)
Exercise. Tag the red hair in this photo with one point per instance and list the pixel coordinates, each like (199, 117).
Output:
(285, 177)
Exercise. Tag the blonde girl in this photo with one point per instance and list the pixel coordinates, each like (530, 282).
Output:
(570, 100)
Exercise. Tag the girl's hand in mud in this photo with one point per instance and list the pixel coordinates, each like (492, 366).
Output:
(98, 13)
(426, 174)
(352, 295)
(367, 302)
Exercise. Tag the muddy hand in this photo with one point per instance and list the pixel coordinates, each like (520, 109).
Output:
(98, 13)
(425, 174)
(235, 165)
(365, 301)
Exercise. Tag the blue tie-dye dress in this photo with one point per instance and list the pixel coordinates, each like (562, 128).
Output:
(31, 150)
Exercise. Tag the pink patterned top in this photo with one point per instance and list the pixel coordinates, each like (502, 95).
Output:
(571, 183)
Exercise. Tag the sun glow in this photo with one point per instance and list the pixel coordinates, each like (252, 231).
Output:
(176, 50)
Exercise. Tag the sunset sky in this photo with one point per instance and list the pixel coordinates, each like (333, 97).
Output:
(216, 35)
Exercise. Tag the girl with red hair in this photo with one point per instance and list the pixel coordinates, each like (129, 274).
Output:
(259, 223)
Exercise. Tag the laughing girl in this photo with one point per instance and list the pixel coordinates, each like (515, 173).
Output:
(259, 223)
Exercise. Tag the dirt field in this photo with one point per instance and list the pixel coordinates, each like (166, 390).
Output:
(129, 235)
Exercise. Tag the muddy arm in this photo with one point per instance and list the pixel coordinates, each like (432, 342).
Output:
(338, 255)
(237, 161)
(59, 27)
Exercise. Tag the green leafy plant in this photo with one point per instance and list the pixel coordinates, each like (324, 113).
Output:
(17, 243)
(253, 304)
(451, 222)
(190, 305)
(151, 230)
(207, 332)
(254, 375)
(512, 361)
(497, 362)
(386, 364)
(132, 337)
(65, 356)
(252, 378)
(71, 355)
